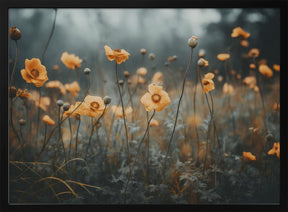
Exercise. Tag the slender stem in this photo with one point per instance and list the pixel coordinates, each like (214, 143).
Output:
(76, 143)
(195, 123)
(148, 141)
(50, 36)
(60, 133)
(124, 119)
(179, 102)
(138, 150)
(11, 120)
(70, 128)
(14, 67)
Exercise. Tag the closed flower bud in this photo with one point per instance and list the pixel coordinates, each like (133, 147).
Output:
(15, 33)
(201, 53)
(143, 51)
(22, 122)
(87, 71)
(126, 74)
(151, 56)
(66, 106)
(107, 100)
(60, 103)
(121, 82)
(13, 92)
(193, 41)
(201, 62)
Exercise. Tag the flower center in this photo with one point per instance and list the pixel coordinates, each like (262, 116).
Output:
(205, 82)
(156, 98)
(94, 105)
(117, 50)
(35, 72)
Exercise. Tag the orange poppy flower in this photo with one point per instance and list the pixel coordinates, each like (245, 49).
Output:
(117, 110)
(158, 77)
(56, 67)
(275, 150)
(208, 83)
(220, 78)
(154, 122)
(95, 104)
(250, 80)
(73, 88)
(46, 119)
(44, 103)
(71, 61)
(216, 71)
(276, 67)
(227, 88)
(34, 72)
(56, 84)
(23, 93)
(171, 59)
(276, 106)
(252, 66)
(248, 156)
(142, 71)
(244, 43)
(223, 56)
(239, 32)
(254, 52)
(116, 54)
(156, 98)
(82, 110)
(256, 88)
(265, 70)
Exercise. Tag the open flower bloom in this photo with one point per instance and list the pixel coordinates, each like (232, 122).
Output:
(71, 61)
(208, 83)
(158, 77)
(250, 80)
(244, 43)
(227, 88)
(116, 54)
(223, 56)
(248, 156)
(275, 150)
(117, 110)
(239, 32)
(254, 52)
(34, 72)
(46, 119)
(73, 88)
(82, 110)
(56, 84)
(142, 71)
(156, 98)
(44, 103)
(265, 70)
(276, 67)
(95, 104)
(252, 66)
(22, 93)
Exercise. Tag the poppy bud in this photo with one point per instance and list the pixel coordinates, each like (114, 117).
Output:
(60, 102)
(12, 92)
(193, 41)
(15, 33)
(201, 53)
(151, 56)
(22, 122)
(107, 100)
(121, 82)
(126, 74)
(143, 51)
(87, 71)
(66, 106)
(201, 62)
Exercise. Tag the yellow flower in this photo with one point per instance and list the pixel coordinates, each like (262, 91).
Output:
(250, 80)
(275, 150)
(23, 93)
(95, 104)
(71, 61)
(117, 110)
(116, 54)
(158, 77)
(208, 83)
(265, 70)
(254, 52)
(248, 156)
(209, 76)
(156, 98)
(73, 88)
(239, 32)
(56, 84)
(276, 67)
(46, 119)
(34, 72)
(223, 56)
(82, 110)
(142, 71)
(227, 88)
(244, 43)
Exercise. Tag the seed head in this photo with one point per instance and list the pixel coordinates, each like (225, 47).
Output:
(151, 56)
(66, 106)
(193, 41)
(121, 82)
(143, 51)
(60, 102)
(87, 71)
(12, 92)
(15, 33)
(22, 122)
(107, 100)
(126, 74)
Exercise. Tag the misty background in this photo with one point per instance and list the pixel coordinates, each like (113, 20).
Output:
(165, 32)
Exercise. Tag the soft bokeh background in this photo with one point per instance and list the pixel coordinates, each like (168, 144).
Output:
(164, 32)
